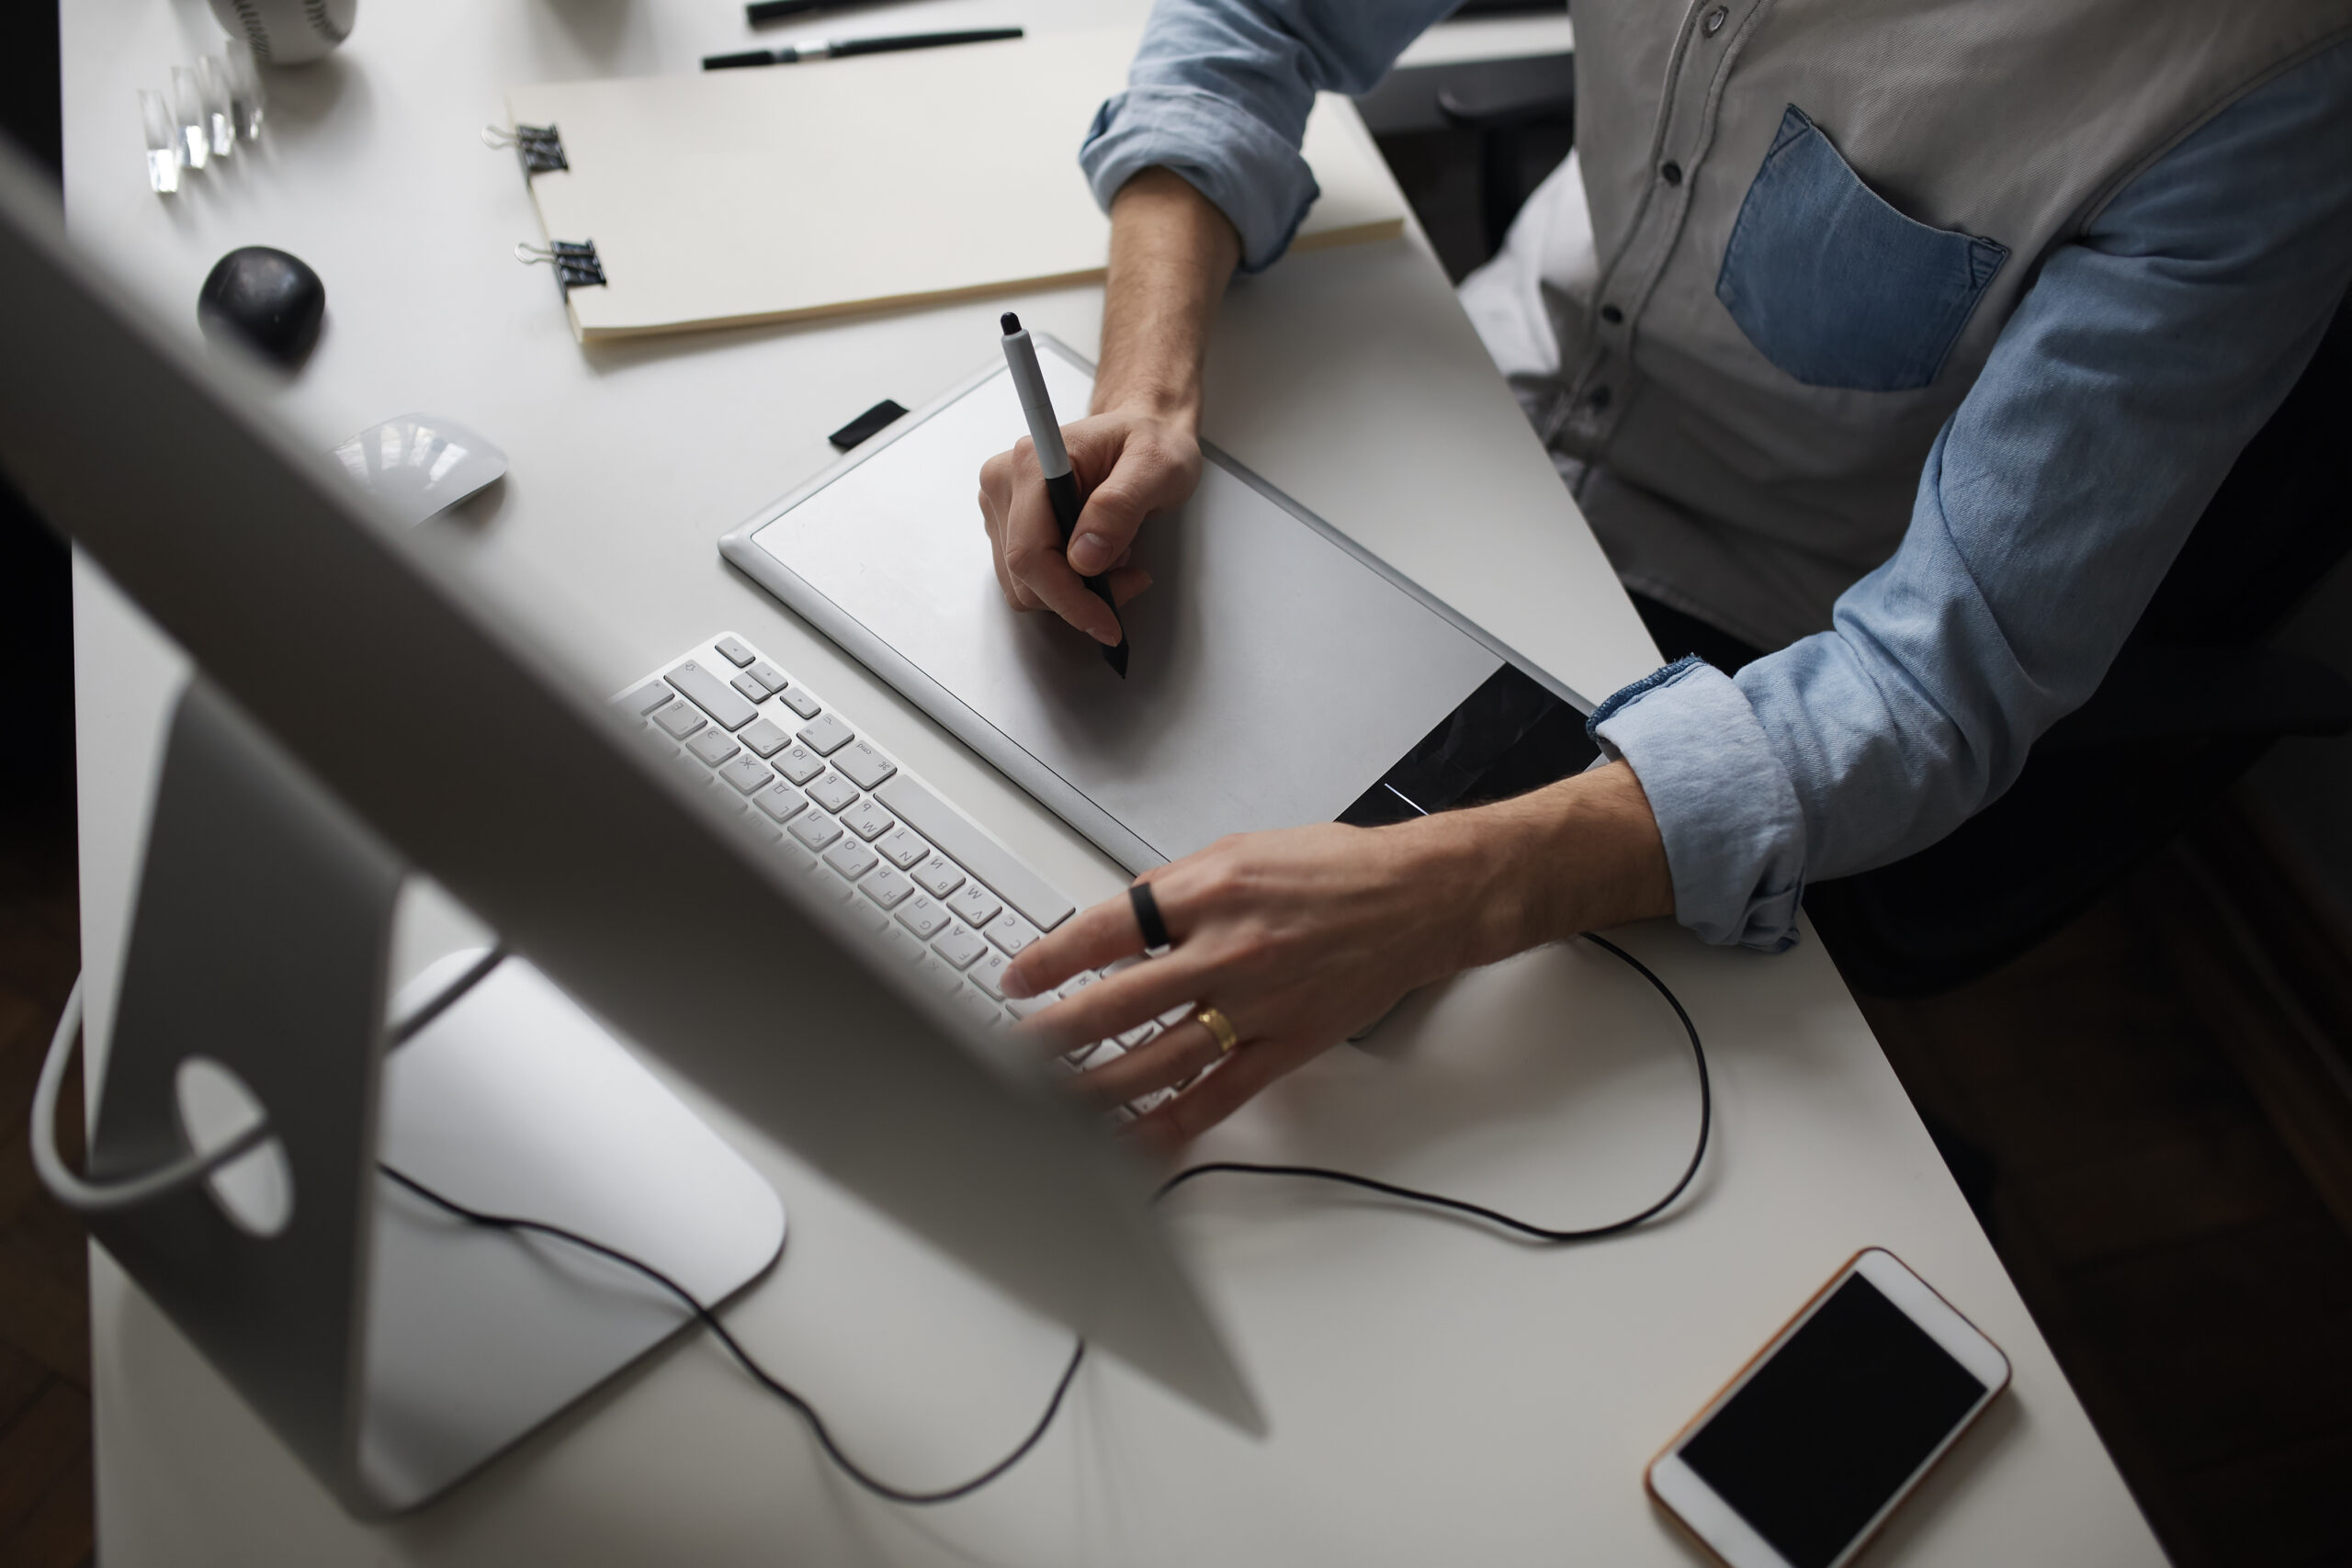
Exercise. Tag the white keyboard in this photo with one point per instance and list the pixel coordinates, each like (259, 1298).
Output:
(931, 885)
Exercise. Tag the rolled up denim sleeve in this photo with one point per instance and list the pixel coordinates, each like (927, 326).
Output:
(1220, 91)
(2050, 506)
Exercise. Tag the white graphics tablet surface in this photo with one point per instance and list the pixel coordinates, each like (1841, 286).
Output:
(1277, 672)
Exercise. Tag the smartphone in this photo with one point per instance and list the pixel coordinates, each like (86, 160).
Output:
(1804, 1454)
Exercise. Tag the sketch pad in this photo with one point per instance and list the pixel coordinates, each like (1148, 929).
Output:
(1277, 670)
(799, 191)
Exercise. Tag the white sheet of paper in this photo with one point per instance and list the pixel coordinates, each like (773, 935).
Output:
(1274, 675)
(807, 190)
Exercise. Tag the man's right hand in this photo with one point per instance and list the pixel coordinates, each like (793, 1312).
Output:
(1129, 464)
(1139, 451)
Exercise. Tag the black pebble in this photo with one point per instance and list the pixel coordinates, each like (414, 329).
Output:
(269, 301)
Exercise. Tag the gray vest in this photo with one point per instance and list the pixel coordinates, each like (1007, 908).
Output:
(1791, 233)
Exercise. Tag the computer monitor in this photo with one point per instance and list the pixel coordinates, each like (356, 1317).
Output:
(373, 709)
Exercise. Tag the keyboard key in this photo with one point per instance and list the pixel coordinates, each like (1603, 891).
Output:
(940, 973)
(732, 651)
(1011, 934)
(960, 946)
(851, 858)
(713, 746)
(795, 856)
(815, 830)
(924, 917)
(902, 849)
(770, 678)
(887, 888)
(870, 919)
(749, 687)
(797, 699)
(1139, 1034)
(747, 775)
(780, 801)
(938, 875)
(868, 820)
(763, 736)
(864, 763)
(1177, 1015)
(647, 697)
(1029, 1005)
(975, 904)
(975, 852)
(826, 734)
(989, 973)
(707, 692)
(832, 792)
(985, 1013)
(691, 768)
(1078, 982)
(679, 720)
(798, 763)
(903, 946)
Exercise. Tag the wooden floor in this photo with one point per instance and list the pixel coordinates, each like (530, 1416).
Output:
(2151, 1112)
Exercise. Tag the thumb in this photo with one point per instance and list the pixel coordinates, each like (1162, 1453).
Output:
(1114, 512)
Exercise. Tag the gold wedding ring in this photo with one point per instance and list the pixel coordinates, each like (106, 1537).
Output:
(1216, 1023)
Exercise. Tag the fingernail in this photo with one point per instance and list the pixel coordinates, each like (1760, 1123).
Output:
(1089, 554)
(1111, 638)
(1013, 986)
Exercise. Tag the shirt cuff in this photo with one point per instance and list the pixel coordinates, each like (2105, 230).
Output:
(1252, 175)
(1725, 807)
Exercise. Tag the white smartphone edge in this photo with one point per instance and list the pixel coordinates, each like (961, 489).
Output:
(1702, 1511)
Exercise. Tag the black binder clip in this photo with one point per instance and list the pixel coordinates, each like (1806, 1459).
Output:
(575, 261)
(540, 147)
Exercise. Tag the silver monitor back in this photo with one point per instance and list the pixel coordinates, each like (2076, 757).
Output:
(366, 654)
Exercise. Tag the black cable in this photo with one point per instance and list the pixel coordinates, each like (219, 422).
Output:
(881, 1488)
(1479, 1211)
(774, 1385)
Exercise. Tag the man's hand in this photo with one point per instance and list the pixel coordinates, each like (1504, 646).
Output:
(1139, 450)
(1303, 937)
(1129, 464)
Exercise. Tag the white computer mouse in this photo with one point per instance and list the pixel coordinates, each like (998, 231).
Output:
(420, 464)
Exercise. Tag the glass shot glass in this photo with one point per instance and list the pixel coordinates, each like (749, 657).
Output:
(213, 87)
(187, 111)
(165, 149)
(244, 71)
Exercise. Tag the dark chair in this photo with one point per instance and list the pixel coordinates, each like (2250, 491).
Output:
(1506, 123)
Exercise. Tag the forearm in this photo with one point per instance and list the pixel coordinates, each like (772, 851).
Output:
(1575, 856)
(1172, 252)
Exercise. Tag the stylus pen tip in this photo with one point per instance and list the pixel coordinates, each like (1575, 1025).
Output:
(1010, 323)
(1116, 657)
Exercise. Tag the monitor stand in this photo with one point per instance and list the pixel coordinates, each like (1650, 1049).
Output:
(394, 1347)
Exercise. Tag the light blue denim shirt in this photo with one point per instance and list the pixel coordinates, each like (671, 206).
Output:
(2147, 353)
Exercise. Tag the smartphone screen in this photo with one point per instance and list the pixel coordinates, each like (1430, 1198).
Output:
(1829, 1428)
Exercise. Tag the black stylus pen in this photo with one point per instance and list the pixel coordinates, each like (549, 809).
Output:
(1061, 485)
(840, 48)
(781, 10)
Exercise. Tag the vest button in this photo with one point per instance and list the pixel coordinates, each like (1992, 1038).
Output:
(1612, 314)
(1714, 22)
(1671, 173)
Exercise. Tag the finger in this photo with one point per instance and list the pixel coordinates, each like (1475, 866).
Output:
(1098, 934)
(1237, 1079)
(995, 487)
(1174, 1057)
(1119, 1002)
(1116, 507)
(1038, 565)
(1126, 582)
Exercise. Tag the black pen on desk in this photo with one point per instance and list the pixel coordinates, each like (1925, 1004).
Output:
(781, 10)
(1061, 485)
(842, 47)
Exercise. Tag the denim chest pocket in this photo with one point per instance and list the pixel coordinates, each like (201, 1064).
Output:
(1837, 287)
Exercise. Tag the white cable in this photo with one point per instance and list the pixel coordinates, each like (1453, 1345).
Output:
(98, 1197)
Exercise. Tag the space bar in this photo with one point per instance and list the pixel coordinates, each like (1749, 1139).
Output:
(975, 852)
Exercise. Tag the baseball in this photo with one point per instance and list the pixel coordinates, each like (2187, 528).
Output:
(287, 32)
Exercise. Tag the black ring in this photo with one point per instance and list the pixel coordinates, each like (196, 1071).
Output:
(1155, 930)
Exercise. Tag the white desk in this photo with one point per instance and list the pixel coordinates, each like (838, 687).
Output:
(1435, 1393)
